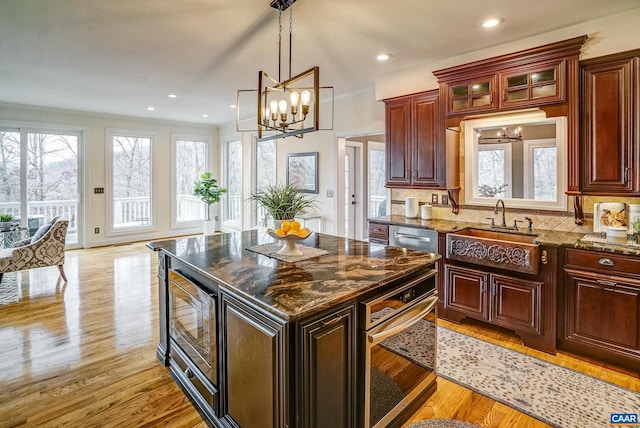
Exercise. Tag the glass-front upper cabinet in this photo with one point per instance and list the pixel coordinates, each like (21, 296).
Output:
(543, 84)
(472, 96)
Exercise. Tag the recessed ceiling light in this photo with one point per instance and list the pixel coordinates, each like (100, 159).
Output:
(205, 115)
(150, 108)
(384, 57)
(492, 22)
(233, 106)
(172, 96)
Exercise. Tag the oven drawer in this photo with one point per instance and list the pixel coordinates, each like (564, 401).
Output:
(614, 264)
(187, 372)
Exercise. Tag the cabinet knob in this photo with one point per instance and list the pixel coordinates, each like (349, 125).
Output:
(188, 373)
(606, 262)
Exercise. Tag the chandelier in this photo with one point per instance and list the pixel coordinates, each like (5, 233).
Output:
(505, 135)
(288, 107)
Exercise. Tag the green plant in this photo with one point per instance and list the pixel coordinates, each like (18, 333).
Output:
(283, 201)
(5, 218)
(208, 190)
(636, 225)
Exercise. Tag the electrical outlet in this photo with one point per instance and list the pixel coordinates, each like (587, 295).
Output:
(96, 230)
(98, 190)
(329, 193)
(434, 198)
(445, 200)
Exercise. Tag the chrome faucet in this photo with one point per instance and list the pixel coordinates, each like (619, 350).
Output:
(504, 221)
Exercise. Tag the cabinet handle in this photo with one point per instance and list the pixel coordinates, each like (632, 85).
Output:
(606, 262)
(607, 282)
(188, 373)
(333, 320)
(626, 175)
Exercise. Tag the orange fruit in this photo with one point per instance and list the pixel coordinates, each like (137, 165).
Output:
(292, 232)
(280, 232)
(285, 226)
(295, 225)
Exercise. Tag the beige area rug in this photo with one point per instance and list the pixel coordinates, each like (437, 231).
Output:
(10, 288)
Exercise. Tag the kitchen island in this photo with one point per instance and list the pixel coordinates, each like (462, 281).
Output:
(259, 342)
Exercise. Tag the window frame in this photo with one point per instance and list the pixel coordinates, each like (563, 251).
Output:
(255, 221)
(225, 221)
(129, 133)
(527, 157)
(508, 172)
(175, 137)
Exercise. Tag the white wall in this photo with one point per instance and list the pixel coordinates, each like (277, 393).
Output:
(95, 164)
(615, 33)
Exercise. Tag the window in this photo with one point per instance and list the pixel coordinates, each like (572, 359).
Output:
(494, 171)
(233, 182)
(131, 181)
(541, 169)
(265, 173)
(377, 180)
(39, 177)
(190, 161)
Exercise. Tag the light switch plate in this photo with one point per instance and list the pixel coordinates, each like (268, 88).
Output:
(445, 200)
(434, 198)
(329, 193)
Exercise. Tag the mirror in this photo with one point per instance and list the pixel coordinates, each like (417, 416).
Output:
(519, 158)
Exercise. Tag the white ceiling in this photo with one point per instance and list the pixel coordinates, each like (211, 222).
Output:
(120, 56)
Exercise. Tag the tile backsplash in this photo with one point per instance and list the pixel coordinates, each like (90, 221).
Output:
(561, 221)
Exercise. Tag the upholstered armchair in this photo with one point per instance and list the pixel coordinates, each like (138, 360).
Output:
(39, 251)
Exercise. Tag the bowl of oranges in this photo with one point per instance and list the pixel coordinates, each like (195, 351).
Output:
(289, 233)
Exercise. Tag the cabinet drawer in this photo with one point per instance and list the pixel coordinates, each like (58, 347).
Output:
(380, 231)
(603, 262)
(188, 372)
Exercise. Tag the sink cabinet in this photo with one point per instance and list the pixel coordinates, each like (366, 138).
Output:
(520, 302)
(415, 151)
(601, 314)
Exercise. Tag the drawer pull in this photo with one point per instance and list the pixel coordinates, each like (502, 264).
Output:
(188, 373)
(606, 262)
(333, 320)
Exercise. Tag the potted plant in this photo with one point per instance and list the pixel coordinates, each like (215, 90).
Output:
(209, 192)
(636, 229)
(282, 202)
(5, 221)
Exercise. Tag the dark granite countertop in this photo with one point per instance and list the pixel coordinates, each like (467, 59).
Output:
(295, 290)
(544, 237)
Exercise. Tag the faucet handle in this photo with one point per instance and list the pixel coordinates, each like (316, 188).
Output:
(493, 222)
(530, 224)
(515, 224)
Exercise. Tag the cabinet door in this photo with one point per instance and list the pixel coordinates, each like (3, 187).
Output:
(533, 86)
(428, 156)
(517, 303)
(252, 388)
(379, 233)
(603, 312)
(398, 141)
(467, 291)
(328, 370)
(607, 126)
(464, 97)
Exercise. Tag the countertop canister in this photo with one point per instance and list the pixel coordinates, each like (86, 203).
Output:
(412, 207)
(426, 212)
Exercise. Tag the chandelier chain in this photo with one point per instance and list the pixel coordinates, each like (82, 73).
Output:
(290, 35)
(280, 42)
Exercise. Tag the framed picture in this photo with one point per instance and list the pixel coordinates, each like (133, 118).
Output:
(609, 214)
(302, 171)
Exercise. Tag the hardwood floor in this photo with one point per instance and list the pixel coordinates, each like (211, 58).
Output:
(82, 354)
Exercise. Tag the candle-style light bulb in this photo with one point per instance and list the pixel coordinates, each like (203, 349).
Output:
(295, 100)
(274, 110)
(266, 115)
(306, 98)
(282, 105)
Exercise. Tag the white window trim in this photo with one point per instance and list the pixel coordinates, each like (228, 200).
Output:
(508, 172)
(527, 155)
(229, 224)
(254, 179)
(174, 205)
(123, 231)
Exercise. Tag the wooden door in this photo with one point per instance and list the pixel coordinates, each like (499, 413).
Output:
(428, 151)
(516, 303)
(467, 291)
(398, 141)
(608, 125)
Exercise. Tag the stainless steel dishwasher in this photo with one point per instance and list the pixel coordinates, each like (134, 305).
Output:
(425, 240)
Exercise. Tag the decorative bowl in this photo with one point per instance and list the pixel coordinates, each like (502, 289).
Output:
(289, 248)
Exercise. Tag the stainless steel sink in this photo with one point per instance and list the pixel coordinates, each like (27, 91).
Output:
(503, 250)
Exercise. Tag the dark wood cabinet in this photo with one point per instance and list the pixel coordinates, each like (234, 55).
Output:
(254, 367)
(602, 306)
(379, 233)
(415, 150)
(471, 96)
(521, 302)
(532, 86)
(328, 370)
(609, 103)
